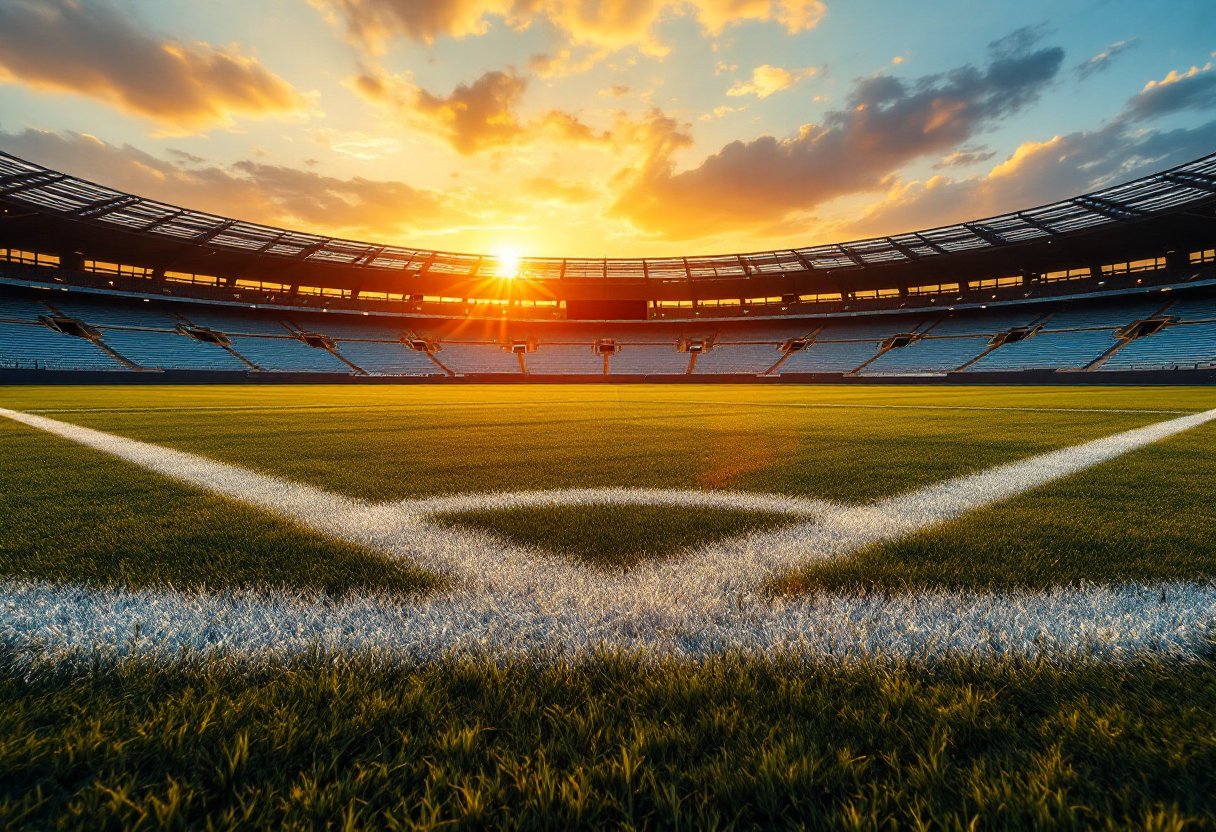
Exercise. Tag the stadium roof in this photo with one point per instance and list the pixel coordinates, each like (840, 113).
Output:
(66, 213)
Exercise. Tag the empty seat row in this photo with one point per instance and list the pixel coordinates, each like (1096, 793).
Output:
(157, 350)
(33, 346)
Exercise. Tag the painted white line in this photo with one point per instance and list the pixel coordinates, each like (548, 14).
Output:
(40, 623)
(509, 598)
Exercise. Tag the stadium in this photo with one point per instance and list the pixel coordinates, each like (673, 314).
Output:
(299, 531)
(1118, 281)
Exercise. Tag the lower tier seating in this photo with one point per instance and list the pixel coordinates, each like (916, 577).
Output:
(388, 358)
(33, 346)
(1050, 351)
(287, 355)
(169, 350)
(1186, 346)
(928, 355)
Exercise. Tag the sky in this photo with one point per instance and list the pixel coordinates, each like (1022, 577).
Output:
(620, 128)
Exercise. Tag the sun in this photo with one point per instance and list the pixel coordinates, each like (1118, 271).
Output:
(508, 258)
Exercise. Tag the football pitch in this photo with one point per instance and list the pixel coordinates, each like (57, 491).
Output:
(662, 607)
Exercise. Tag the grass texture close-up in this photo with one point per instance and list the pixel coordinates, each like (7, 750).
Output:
(611, 743)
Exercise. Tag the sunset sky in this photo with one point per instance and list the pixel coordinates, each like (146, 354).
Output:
(616, 128)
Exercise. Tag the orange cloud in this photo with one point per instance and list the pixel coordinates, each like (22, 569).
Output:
(767, 80)
(474, 117)
(90, 49)
(885, 124)
(271, 194)
(608, 24)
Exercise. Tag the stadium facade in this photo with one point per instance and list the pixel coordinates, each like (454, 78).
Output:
(1115, 285)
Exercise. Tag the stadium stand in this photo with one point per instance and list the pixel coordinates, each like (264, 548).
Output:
(1186, 346)
(231, 323)
(388, 358)
(1123, 279)
(928, 356)
(19, 309)
(130, 316)
(564, 359)
(157, 350)
(1101, 316)
(33, 346)
(1194, 309)
(830, 357)
(477, 358)
(286, 355)
(983, 323)
(752, 359)
(648, 359)
(1064, 350)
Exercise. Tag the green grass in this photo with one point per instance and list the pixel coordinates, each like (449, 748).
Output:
(615, 536)
(610, 743)
(73, 515)
(390, 443)
(1144, 517)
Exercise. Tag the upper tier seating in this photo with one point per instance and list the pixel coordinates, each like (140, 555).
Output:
(830, 357)
(19, 309)
(388, 358)
(1194, 309)
(126, 315)
(478, 358)
(1185, 346)
(287, 355)
(1049, 351)
(928, 355)
(233, 323)
(648, 359)
(33, 346)
(1105, 316)
(564, 359)
(169, 350)
(752, 359)
(884, 327)
(360, 329)
(984, 323)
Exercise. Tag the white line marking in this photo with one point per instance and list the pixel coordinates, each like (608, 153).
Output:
(510, 598)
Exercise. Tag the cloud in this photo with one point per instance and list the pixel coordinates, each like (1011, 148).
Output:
(1102, 61)
(964, 157)
(719, 112)
(887, 123)
(607, 24)
(89, 48)
(767, 80)
(1194, 90)
(475, 117)
(555, 190)
(271, 194)
(615, 91)
(1036, 173)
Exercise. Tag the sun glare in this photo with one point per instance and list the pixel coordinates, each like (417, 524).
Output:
(508, 261)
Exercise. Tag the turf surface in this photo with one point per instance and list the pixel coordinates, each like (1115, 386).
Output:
(415, 441)
(73, 515)
(615, 536)
(1142, 518)
(610, 743)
